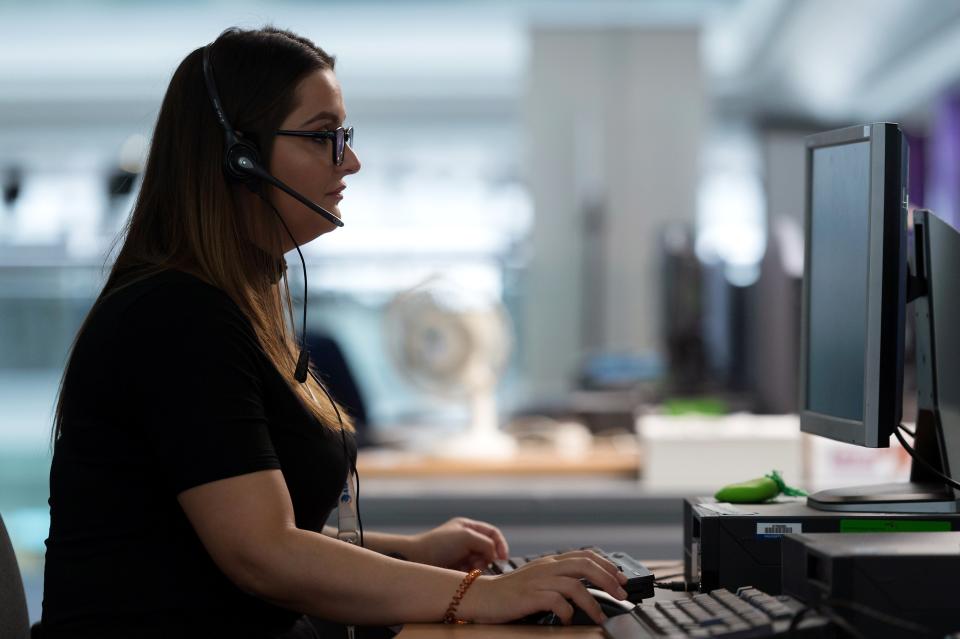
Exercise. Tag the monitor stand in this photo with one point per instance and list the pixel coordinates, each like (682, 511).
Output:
(936, 305)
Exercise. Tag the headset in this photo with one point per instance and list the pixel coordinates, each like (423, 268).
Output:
(242, 164)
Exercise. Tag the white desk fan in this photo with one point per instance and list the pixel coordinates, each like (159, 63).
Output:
(454, 343)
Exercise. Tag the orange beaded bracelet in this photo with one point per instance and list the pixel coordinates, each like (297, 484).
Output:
(450, 616)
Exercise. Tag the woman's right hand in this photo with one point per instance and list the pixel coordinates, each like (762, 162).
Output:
(544, 584)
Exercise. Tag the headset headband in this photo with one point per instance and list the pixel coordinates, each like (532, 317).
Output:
(215, 97)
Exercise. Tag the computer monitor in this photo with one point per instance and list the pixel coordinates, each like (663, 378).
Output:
(854, 284)
(855, 292)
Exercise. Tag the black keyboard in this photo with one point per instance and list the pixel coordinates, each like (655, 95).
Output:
(639, 584)
(720, 614)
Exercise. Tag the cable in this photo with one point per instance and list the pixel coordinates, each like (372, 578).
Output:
(346, 453)
(882, 617)
(834, 618)
(837, 620)
(329, 397)
(796, 619)
(353, 632)
(356, 473)
(306, 288)
(670, 576)
(316, 378)
(916, 457)
(912, 433)
(825, 608)
(677, 586)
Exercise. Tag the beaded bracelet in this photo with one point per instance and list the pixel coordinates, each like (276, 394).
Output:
(450, 616)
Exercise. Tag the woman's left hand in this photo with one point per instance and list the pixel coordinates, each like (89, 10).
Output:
(461, 544)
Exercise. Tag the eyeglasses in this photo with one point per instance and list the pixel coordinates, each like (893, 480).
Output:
(341, 138)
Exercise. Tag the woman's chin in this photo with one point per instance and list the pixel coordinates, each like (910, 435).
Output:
(325, 224)
(332, 204)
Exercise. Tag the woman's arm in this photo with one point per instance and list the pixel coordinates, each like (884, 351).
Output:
(460, 543)
(247, 525)
(383, 543)
(390, 544)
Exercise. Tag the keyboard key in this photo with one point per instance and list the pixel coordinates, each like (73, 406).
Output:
(693, 609)
(669, 609)
(501, 566)
(756, 618)
(713, 606)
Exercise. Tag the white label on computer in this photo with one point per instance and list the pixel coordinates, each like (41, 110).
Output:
(772, 529)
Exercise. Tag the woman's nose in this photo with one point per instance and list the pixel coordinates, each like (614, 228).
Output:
(351, 162)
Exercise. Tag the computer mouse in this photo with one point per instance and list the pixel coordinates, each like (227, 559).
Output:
(610, 606)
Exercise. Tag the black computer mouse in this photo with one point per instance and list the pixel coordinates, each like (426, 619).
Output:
(611, 608)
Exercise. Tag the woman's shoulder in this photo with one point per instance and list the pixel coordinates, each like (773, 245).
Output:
(172, 297)
(164, 285)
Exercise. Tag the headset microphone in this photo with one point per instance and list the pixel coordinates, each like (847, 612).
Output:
(251, 167)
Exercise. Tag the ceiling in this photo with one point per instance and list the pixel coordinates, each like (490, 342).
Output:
(807, 60)
(835, 61)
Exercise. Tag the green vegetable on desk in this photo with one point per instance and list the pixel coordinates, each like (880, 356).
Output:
(757, 490)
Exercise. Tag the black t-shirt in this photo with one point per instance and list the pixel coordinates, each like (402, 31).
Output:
(168, 389)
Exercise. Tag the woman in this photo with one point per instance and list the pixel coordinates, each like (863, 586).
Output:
(194, 465)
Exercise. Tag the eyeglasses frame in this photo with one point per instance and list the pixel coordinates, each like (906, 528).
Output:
(341, 136)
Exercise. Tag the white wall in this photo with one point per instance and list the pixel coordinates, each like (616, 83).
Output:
(614, 118)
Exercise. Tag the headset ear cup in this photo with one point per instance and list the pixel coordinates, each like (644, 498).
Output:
(238, 155)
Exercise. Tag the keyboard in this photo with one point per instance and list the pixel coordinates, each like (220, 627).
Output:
(639, 584)
(721, 614)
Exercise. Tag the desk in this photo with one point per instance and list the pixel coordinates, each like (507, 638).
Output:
(527, 463)
(506, 631)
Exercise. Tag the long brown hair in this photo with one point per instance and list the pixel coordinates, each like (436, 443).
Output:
(186, 215)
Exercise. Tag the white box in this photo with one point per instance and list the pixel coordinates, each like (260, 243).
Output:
(700, 454)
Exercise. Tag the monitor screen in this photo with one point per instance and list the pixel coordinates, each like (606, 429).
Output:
(838, 269)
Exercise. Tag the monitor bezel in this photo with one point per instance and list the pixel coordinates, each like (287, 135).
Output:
(886, 289)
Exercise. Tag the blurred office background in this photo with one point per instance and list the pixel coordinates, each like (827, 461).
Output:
(625, 178)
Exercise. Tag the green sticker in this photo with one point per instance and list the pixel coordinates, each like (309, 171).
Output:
(893, 525)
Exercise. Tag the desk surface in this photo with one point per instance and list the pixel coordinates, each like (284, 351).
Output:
(506, 631)
(527, 463)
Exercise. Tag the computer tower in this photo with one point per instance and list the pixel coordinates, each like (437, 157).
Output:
(733, 545)
(883, 584)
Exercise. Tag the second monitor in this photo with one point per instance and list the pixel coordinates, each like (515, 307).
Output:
(856, 290)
